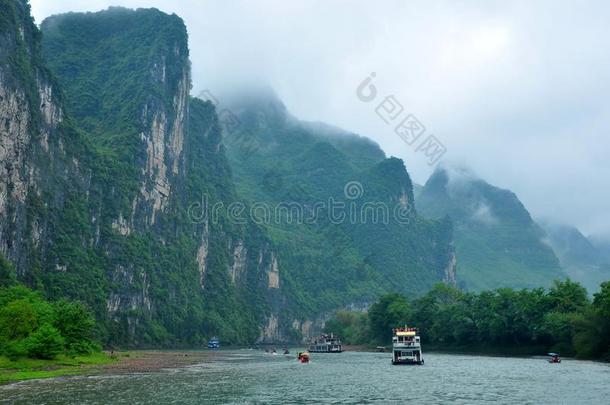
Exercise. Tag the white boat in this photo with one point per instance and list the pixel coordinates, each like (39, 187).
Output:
(406, 346)
(326, 343)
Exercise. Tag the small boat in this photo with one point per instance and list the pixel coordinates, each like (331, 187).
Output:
(214, 343)
(554, 358)
(380, 349)
(303, 357)
(406, 346)
(326, 343)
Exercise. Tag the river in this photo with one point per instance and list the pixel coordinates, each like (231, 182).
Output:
(248, 376)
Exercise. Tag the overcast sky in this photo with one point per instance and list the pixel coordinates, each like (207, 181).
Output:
(516, 90)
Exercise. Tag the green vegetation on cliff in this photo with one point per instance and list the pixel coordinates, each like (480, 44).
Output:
(329, 261)
(496, 241)
(167, 276)
(164, 278)
(121, 236)
(580, 258)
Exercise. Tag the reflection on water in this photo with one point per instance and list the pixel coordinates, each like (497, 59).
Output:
(252, 376)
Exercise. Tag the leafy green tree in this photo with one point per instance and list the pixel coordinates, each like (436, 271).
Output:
(559, 328)
(562, 319)
(350, 326)
(592, 336)
(391, 311)
(601, 300)
(442, 315)
(76, 325)
(45, 343)
(17, 319)
(31, 326)
(568, 296)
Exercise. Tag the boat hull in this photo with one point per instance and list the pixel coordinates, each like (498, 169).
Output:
(408, 363)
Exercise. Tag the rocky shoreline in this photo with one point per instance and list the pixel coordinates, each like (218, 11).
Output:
(145, 361)
(104, 363)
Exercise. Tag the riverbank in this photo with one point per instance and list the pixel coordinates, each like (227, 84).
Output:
(97, 363)
(29, 369)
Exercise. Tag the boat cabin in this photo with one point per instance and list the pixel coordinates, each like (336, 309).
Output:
(326, 343)
(214, 343)
(406, 346)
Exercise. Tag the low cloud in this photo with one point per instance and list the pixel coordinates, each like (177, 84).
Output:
(483, 214)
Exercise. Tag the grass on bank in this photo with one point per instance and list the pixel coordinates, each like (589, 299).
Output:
(28, 369)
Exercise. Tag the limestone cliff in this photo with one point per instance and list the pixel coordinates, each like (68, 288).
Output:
(109, 170)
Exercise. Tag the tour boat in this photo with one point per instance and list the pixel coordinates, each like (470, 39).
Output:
(554, 358)
(214, 343)
(406, 346)
(326, 343)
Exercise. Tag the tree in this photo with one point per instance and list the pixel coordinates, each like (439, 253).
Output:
(568, 296)
(17, 320)
(350, 326)
(559, 327)
(391, 311)
(45, 343)
(592, 337)
(76, 325)
(31, 326)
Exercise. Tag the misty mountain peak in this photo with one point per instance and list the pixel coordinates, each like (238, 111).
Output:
(491, 223)
(252, 97)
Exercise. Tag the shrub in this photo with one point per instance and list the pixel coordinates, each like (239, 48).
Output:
(45, 343)
(76, 325)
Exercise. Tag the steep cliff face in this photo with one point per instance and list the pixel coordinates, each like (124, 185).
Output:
(99, 180)
(36, 144)
(116, 190)
(373, 241)
(128, 87)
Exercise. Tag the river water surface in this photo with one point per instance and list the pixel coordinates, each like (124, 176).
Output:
(248, 376)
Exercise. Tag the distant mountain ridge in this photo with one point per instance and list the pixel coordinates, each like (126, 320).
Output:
(308, 163)
(583, 259)
(497, 242)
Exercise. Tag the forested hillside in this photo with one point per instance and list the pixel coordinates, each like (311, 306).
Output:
(279, 160)
(580, 258)
(110, 166)
(497, 242)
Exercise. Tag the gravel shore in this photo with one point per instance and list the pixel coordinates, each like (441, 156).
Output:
(143, 361)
